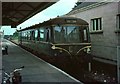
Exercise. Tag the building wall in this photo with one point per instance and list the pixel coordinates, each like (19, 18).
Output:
(104, 43)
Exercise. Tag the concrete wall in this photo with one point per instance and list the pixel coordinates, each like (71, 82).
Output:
(103, 44)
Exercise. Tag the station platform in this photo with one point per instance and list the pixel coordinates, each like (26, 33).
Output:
(36, 70)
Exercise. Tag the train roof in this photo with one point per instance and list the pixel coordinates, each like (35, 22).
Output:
(59, 21)
(65, 20)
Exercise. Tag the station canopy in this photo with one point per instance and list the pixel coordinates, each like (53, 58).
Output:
(14, 13)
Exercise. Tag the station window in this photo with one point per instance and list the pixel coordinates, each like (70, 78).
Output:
(96, 24)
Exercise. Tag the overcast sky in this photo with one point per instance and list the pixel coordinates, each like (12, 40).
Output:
(60, 8)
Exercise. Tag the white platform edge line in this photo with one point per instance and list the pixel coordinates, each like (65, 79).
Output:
(49, 64)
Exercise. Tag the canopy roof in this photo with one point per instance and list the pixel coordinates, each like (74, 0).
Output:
(14, 13)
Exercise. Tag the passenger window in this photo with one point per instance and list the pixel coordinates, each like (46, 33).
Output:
(36, 35)
(42, 35)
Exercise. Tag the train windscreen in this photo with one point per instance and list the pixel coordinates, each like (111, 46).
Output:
(70, 34)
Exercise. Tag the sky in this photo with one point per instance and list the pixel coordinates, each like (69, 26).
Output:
(58, 9)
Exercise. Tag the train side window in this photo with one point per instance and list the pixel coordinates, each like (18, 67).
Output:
(42, 36)
(36, 35)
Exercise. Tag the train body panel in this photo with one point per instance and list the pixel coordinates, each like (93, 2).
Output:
(58, 36)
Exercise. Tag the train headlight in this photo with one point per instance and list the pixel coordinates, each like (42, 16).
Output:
(53, 47)
(88, 50)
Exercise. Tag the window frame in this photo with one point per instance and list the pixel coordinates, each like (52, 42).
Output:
(96, 24)
(41, 34)
(80, 34)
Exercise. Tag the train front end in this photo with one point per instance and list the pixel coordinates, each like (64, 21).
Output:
(71, 39)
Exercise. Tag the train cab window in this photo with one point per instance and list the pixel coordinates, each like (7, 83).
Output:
(72, 34)
(64, 34)
(57, 33)
(84, 33)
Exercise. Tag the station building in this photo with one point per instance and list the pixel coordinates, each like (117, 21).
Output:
(104, 27)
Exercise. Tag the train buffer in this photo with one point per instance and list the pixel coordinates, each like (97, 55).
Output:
(36, 70)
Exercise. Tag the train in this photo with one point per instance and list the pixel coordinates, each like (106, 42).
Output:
(60, 36)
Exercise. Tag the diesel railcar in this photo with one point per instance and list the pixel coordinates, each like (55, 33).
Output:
(57, 36)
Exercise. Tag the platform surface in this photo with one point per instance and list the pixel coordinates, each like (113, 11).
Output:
(36, 70)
